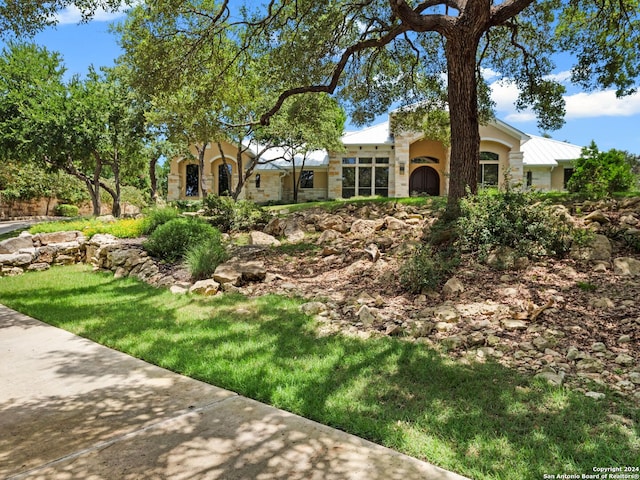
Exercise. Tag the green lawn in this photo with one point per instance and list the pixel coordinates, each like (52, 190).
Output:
(481, 420)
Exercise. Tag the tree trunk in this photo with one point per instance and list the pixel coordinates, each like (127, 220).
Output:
(463, 111)
(203, 183)
(116, 211)
(154, 181)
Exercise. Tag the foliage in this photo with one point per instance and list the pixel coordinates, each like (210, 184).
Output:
(172, 239)
(27, 181)
(64, 210)
(187, 205)
(203, 258)
(598, 174)
(427, 268)
(513, 219)
(157, 216)
(121, 228)
(228, 214)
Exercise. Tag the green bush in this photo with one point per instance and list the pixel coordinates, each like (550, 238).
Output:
(121, 228)
(203, 258)
(598, 174)
(427, 269)
(156, 217)
(228, 214)
(65, 210)
(171, 240)
(512, 219)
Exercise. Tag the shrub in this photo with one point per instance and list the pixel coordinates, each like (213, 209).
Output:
(598, 174)
(65, 210)
(427, 269)
(122, 228)
(512, 219)
(203, 258)
(228, 214)
(171, 240)
(156, 217)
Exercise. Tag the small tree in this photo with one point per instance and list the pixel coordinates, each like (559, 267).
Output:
(598, 174)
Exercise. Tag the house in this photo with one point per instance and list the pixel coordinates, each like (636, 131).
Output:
(377, 161)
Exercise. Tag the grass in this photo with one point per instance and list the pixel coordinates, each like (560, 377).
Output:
(331, 205)
(481, 420)
(121, 228)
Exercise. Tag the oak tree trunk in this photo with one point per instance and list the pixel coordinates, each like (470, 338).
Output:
(463, 112)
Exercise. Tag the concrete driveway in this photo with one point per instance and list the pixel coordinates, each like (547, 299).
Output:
(70, 409)
(10, 226)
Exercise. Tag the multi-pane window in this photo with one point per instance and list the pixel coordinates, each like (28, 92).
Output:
(365, 176)
(306, 179)
(192, 186)
(488, 169)
(529, 179)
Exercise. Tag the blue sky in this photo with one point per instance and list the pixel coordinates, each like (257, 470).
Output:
(599, 116)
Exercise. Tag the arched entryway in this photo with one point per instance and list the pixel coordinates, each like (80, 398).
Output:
(424, 180)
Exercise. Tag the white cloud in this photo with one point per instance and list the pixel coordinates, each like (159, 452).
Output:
(489, 74)
(560, 77)
(72, 15)
(601, 104)
(579, 105)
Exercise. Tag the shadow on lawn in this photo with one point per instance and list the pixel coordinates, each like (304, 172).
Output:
(482, 420)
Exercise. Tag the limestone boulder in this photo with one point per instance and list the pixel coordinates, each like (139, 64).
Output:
(453, 287)
(293, 232)
(333, 222)
(227, 273)
(275, 227)
(395, 224)
(206, 288)
(597, 216)
(313, 308)
(328, 236)
(14, 245)
(366, 228)
(264, 239)
(599, 248)
(57, 237)
(15, 259)
(626, 266)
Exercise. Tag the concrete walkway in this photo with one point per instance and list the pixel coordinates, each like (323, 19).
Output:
(71, 409)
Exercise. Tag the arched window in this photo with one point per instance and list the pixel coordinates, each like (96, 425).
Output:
(192, 186)
(258, 180)
(425, 160)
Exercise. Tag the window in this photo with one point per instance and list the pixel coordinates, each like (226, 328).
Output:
(488, 171)
(529, 179)
(224, 179)
(258, 180)
(306, 179)
(365, 176)
(568, 172)
(193, 180)
(425, 160)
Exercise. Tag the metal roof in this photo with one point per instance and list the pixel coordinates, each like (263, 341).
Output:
(374, 135)
(546, 152)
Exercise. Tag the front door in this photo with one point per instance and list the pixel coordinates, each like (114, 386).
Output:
(424, 180)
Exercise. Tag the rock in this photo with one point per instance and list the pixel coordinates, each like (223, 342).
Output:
(453, 342)
(599, 347)
(624, 359)
(597, 216)
(11, 271)
(57, 237)
(445, 313)
(626, 266)
(590, 365)
(178, 290)
(475, 338)
(601, 302)
(394, 330)
(601, 267)
(624, 339)
(13, 245)
(366, 228)
(264, 239)
(421, 328)
(595, 395)
(327, 236)
(598, 249)
(493, 340)
(332, 222)
(551, 377)
(574, 354)
(513, 324)
(120, 272)
(107, 218)
(313, 308)
(635, 377)
(372, 250)
(628, 220)
(541, 343)
(444, 326)
(275, 227)
(38, 267)
(227, 274)
(485, 352)
(207, 287)
(329, 250)
(252, 271)
(453, 287)
(65, 260)
(395, 225)
(366, 316)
